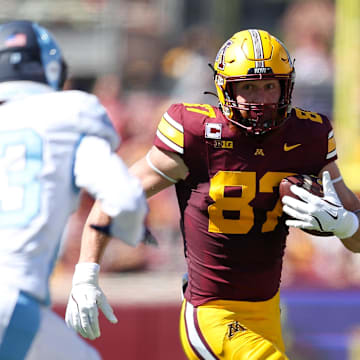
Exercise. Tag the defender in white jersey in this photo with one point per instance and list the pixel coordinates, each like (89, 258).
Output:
(52, 144)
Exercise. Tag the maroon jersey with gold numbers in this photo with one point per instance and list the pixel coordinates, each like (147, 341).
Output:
(234, 235)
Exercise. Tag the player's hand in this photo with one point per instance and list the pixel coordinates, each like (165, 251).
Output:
(325, 214)
(85, 299)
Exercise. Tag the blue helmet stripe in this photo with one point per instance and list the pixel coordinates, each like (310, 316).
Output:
(51, 57)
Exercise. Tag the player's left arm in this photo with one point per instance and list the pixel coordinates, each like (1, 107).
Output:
(337, 211)
(349, 201)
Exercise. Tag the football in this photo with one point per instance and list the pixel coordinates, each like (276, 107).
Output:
(310, 183)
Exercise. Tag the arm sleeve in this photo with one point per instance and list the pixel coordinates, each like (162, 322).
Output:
(104, 175)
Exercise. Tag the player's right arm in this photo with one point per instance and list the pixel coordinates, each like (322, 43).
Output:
(156, 171)
(120, 213)
(162, 167)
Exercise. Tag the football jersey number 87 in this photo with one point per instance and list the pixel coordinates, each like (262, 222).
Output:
(247, 181)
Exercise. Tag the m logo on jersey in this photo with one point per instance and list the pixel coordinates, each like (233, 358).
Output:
(234, 328)
(259, 152)
(213, 131)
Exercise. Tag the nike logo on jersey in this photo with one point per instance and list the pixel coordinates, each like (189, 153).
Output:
(290, 147)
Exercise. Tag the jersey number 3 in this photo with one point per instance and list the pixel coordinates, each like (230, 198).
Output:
(246, 180)
(20, 164)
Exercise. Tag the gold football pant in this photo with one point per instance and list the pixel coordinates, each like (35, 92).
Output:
(232, 330)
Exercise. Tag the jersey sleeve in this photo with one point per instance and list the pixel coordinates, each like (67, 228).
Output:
(170, 131)
(316, 131)
(326, 143)
(331, 149)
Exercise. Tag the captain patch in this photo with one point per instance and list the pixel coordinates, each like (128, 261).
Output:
(213, 131)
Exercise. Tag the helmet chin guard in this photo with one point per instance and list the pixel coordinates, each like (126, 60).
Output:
(254, 55)
(257, 119)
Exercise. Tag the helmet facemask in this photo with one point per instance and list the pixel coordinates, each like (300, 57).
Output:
(257, 118)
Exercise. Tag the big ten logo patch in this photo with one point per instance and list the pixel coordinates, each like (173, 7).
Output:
(234, 328)
(223, 144)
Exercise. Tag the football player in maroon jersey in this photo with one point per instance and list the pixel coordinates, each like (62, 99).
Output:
(227, 163)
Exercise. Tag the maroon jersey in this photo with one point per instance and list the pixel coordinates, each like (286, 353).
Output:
(231, 215)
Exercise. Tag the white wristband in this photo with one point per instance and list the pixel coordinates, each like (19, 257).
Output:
(86, 273)
(349, 225)
(334, 181)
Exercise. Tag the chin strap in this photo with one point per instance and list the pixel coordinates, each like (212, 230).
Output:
(209, 93)
(213, 69)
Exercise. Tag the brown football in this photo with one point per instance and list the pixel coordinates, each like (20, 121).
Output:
(310, 183)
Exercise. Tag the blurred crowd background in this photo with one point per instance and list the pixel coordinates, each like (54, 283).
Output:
(139, 56)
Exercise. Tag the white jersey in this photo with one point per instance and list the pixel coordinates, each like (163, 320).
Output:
(39, 188)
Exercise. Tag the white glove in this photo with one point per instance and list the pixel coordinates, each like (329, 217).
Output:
(321, 214)
(85, 298)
